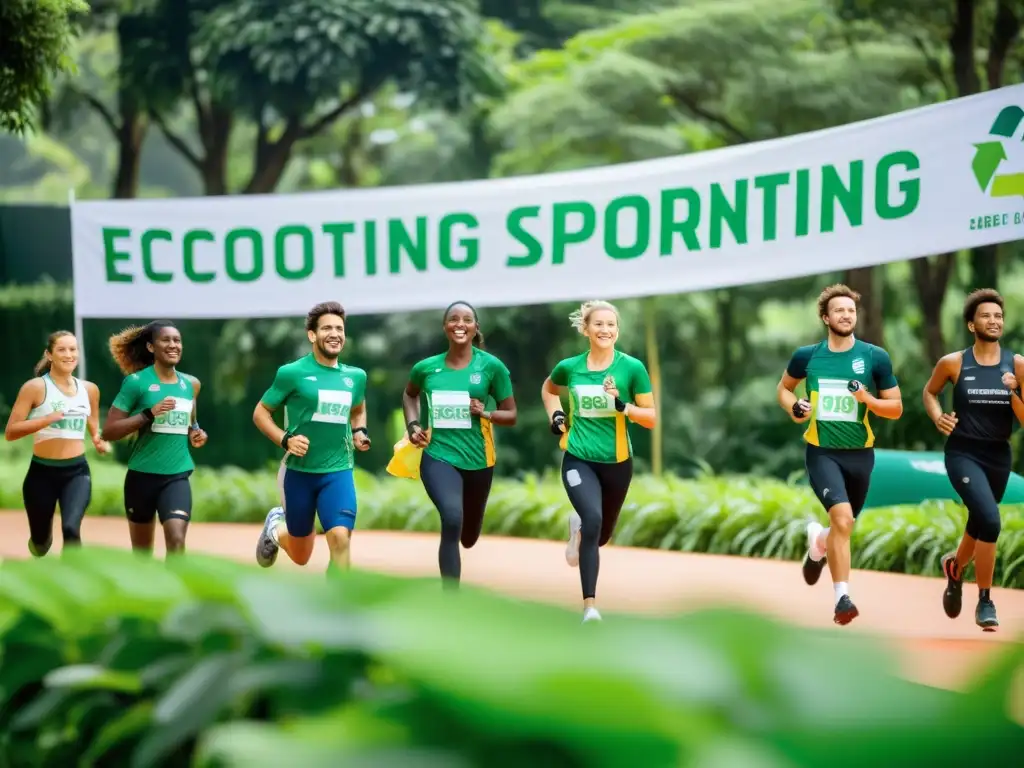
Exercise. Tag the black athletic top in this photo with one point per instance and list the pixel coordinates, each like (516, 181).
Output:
(981, 402)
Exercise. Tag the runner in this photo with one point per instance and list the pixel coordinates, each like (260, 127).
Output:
(325, 418)
(597, 467)
(840, 452)
(57, 409)
(156, 405)
(457, 465)
(986, 400)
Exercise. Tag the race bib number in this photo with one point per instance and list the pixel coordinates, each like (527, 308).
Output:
(175, 421)
(333, 406)
(835, 403)
(450, 410)
(594, 402)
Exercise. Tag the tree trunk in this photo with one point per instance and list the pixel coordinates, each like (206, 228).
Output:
(271, 161)
(870, 318)
(931, 276)
(215, 130)
(654, 368)
(130, 133)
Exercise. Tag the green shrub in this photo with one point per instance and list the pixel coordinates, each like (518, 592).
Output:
(112, 659)
(749, 516)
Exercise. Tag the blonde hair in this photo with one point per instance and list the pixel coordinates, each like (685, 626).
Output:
(580, 317)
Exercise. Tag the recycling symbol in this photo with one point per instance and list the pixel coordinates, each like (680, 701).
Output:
(989, 154)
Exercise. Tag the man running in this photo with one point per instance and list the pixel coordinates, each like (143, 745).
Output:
(986, 400)
(840, 444)
(325, 418)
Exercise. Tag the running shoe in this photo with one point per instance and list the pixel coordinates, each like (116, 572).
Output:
(985, 615)
(846, 611)
(267, 546)
(572, 549)
(36, 551)
(591, 614)
(952, 598)
(812, 568)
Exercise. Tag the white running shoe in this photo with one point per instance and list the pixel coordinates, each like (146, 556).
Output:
(572, 549)
(591, 614)
(267, 546)
(814, 529)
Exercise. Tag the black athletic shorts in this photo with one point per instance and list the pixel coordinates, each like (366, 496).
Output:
(148, 495)
(839, 475)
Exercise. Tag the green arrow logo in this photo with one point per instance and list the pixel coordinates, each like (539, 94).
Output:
(1007, 122)
(987, 157)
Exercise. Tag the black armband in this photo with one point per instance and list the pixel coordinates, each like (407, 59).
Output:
(361, 429)
(619, 405)
(410, 426)
(285, 438)
(147, 414)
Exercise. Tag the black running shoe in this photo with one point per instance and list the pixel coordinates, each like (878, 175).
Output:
(985, 615)
(812, 569)
(952, 598)
(846, 611)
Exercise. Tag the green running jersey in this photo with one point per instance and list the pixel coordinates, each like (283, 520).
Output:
(597, 432)
(457, 437)
(837, 419)
(318, 402)
(160, 447)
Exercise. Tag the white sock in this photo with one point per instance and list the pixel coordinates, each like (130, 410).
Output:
(841, 588)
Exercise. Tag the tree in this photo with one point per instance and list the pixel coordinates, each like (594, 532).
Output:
(292, 70)
(34, 39)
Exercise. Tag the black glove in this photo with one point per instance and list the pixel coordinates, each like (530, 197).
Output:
(619, 405)
(798, 412)
(557, 422)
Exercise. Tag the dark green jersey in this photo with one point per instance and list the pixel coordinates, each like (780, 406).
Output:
(318, 402)
(837, 419)
(597, 432)
(161, 447)
(458, 437)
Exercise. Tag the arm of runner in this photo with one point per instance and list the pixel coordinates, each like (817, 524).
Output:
(946, 369)
(119, 422)
(798, 408)
(357, 420)
(19, 425)
(263, 415)
(890, 403)
(93, 424)
(552, 400)
(411, 407)
(642, 410)
(196, 436)
(1013, 383)
(506, 414)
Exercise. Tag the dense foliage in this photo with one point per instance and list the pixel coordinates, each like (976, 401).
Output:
(128, 661)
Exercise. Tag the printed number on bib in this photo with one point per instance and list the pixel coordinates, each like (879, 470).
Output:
(176, 421)
(450, 410)
(333, 406)
(835, 403)
(594, 402)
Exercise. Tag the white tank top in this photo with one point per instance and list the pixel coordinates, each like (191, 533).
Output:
(76, 410)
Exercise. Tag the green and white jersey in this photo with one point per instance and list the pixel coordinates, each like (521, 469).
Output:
(597, 432)
(837, 419)
(458, 437)
(160, 447)
(318, 402)
(76, 410)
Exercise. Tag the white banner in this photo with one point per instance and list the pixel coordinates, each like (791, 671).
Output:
(916, 183)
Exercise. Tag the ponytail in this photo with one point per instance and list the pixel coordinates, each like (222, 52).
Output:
(44, 364)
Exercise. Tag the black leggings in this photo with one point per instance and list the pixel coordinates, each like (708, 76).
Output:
(597, 492)
(47, 484)
(979, 474)
(460, 496)
(840, 475)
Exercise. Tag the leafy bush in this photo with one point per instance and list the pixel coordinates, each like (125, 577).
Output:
(123, 660)
(749, 516)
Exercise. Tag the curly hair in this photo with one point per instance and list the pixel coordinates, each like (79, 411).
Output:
(976, 298)
(835, 292)
(128, 348)
(321, 309)
(43, 366)
(478, 337)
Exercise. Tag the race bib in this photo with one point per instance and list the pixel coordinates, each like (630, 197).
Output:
(594, 402)
(835, 403)
(333, 406)
(450, 410)
(175, 421)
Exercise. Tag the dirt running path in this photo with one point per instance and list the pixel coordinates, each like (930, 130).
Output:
(903, 610)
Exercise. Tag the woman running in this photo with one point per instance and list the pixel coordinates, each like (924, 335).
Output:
(457, 465)
(57, 409)
(156, 404)
(986, 401)
(598, 463)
